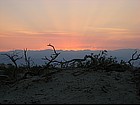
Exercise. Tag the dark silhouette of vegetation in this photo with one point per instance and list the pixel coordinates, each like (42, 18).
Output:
(14, 57)
(29, 69)
(93, 61)
(28, 60)
(135, 56)
(52, 57)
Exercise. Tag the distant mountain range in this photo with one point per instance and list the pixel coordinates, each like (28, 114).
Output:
(122, 54)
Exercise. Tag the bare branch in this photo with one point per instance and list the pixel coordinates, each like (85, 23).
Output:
(53, 49)
(53, 56)
(13, 57)
(27, 59)
(134, 57)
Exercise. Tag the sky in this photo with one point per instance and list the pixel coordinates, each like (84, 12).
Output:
(69, 24)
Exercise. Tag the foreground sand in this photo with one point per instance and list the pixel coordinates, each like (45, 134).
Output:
(77, 86)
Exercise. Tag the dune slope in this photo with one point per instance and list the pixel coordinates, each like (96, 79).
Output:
(74, 86)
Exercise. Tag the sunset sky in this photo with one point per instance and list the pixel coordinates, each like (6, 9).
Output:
(69, 24)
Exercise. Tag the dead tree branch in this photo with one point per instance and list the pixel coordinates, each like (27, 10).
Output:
(79, 61)
(13, 57)
(52, 57)
(134, 57)
(27, 59)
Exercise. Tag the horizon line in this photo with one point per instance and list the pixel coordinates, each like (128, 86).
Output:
(71, 50)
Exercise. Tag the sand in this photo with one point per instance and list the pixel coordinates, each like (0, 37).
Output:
(73, 86)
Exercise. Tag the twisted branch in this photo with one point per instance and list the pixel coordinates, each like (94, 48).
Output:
(134, 57)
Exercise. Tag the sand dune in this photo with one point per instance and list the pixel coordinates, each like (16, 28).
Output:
(73, 86)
